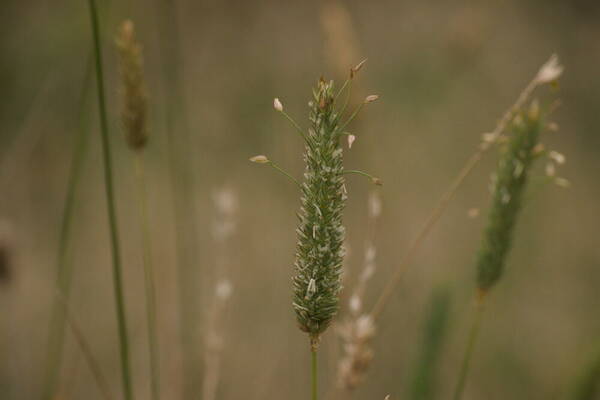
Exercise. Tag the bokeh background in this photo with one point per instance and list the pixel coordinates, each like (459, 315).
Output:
(445, 72)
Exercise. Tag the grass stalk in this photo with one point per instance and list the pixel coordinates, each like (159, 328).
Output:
(473, 334)
(313, 374)
(85, 347)
(182, 180)
(508, 186)
(111, 208)
(424, 383)
(64, 270)
(150, 287)
(133, 116)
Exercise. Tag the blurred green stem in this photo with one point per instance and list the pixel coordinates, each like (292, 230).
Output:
(473, 334)
(182, 180)
(112, 215)
(64, 270)
(148, 276)
(85, 347)
(313, 353)
(279, 169)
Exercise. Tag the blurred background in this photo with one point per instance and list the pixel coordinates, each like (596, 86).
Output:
(445, 73)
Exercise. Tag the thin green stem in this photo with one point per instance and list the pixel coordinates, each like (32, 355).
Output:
(84, 346)
(374, 179)
(279, 169)
(111, 208)
(473, 334)
(313, 368)
(352, 116)
(348, 94)
(182, 177)
(56, 332)
(298, 128)
(148, 277)
(346, 82)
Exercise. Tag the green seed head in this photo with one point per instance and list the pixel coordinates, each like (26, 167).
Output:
(320, 251)
(508, 185)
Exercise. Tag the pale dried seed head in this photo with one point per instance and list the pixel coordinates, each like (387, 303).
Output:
(371, 98)
(550, 71)
(351, 139)
(277, 104)
(354, 70)
(133, 87)
(558, 157)
(260, 159)
(357, 335)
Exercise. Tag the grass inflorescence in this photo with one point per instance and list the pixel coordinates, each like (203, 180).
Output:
(133, 118)
(508, 186)
(320, 248)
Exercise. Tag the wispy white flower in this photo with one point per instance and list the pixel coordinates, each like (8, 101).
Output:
(550, 71)
(357, 68)
(558, 157)
(277, 104)
(371, 98)
(351, 139)
(260, 159)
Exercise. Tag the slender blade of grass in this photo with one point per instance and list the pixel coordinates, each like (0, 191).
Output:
(111, 208)
(64, 268)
